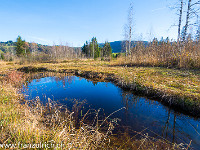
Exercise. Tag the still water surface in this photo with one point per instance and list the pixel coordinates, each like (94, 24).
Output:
(140, 112)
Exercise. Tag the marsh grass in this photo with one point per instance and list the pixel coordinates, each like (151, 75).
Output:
(173, 86)
(28, 122)
(32, 122)
(165, 54)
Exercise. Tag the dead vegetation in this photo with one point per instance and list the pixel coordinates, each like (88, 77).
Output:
(24, 122)
(165, 54)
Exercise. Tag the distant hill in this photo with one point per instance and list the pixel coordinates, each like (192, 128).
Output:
(118, 46)
(10, 46)
(7, 46)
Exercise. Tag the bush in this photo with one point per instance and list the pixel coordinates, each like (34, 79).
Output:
(2, 56)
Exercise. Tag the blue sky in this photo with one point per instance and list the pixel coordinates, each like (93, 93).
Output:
(75, 21)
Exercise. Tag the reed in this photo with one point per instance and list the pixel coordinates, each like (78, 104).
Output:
(165, 54)
(31, 122)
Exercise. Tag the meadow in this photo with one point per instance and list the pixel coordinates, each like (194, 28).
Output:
(25, 123)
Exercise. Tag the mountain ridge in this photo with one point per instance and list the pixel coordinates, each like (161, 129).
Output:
(119, 46)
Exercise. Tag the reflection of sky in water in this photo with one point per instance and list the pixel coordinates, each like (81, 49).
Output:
(141, 113)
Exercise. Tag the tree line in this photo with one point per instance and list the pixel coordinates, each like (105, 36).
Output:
(93, 50)
(37, 52)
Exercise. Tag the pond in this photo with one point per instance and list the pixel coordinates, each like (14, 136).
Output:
(141, 113)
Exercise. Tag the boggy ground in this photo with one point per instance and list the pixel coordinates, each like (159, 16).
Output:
(175, 87)
(21, 123)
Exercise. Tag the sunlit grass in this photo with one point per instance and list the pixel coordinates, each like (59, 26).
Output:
(34, 123)
(172, 81)
(183, 84)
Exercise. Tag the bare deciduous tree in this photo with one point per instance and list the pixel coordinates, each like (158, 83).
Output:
(192, 10)
(33, 48)
(180, 20)
(125, 43)
(187, 19)
(128, 29)
(130, 26)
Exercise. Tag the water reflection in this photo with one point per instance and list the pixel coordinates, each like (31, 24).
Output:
(140, 113)
(164, 123)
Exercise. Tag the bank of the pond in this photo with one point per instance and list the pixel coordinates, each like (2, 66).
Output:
(187, 105)
(23, 124)
(179, 89)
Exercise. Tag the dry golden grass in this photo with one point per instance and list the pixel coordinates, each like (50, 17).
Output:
(183, 83)
(180, 84)
(166, 54)
(33, 123)
(27, 122)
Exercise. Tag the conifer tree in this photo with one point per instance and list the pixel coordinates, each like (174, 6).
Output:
(107, 50)
(91, 49)
(21, 48)
(95, 48)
